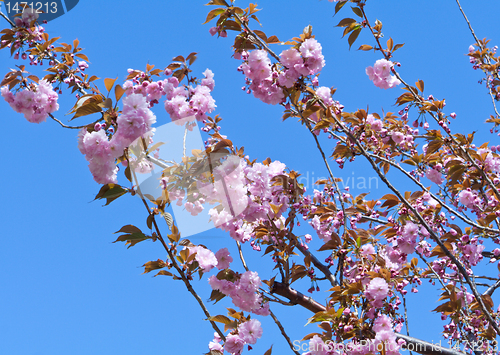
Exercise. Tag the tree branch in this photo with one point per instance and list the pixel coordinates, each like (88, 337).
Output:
(419, 346)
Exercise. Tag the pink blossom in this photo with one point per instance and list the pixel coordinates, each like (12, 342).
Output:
(382, 323)
(250, 331)
(234, 344)
(29, 15)
(408, 241)
(259, 65)
(216, 346)
(243, 292)
(435, 176)
(398, 137)
(223, 258)
(467, 198)
(381, 76)
(318, 347)
(250, 281)
(312, 53)
(377, 290)
(209, 79)
(367, 249)
(35, 105)
(290, 58)
(205, 258)
(388, 338)
(324, 94)
(82, 65)
(136, 118)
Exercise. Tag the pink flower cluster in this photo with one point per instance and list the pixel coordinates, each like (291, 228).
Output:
(183, 103)
(205, 257)
(434, 174)
(186, 103)
(376, 291)
(468, 198)
(246, 333)
(99, 153)
(247, 196)
(207, 260)
(152, 90)
(223, 259)
(35, 104)
(408, 239)
(375, 124)
(134, 122)
(491, 163)
(243, 292)
(385, 338)
(326, 227)
(308, 60)
(381, 76)
(229, 189)
(472, 250)
(29, 15)
(258, 69)
(264, 80)
(384, 342)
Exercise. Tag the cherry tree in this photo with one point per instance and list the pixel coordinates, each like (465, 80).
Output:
(436, 222)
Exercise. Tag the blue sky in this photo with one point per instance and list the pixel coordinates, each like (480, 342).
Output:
(67, 289)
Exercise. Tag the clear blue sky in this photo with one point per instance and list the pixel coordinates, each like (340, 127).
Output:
(66, 289)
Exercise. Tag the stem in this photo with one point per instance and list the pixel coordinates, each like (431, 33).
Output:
(242, 258)
(419, 346)
(7, 19)
(481, 47)
(176, 266)
(71, 127)
(406, 317)
(449, 209)
(285, 335)
(419, 101)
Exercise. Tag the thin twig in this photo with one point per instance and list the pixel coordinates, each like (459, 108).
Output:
(487, 57)
(285, 335)
(7, 19)
(406, 316)
(72, 127)
(449, 209)
(420, 346)
(176, 266)
(242, 258)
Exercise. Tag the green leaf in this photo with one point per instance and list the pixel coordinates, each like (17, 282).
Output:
(353, 36)
(339, 6)
(164, 273)
(221, 319)
(357, 11)
(213, 14)
(129, 228)
(110, 192)
(87, 109)
(365, 47)
(346, 22)
(149, 221)
(132, 238)
(154, 265)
